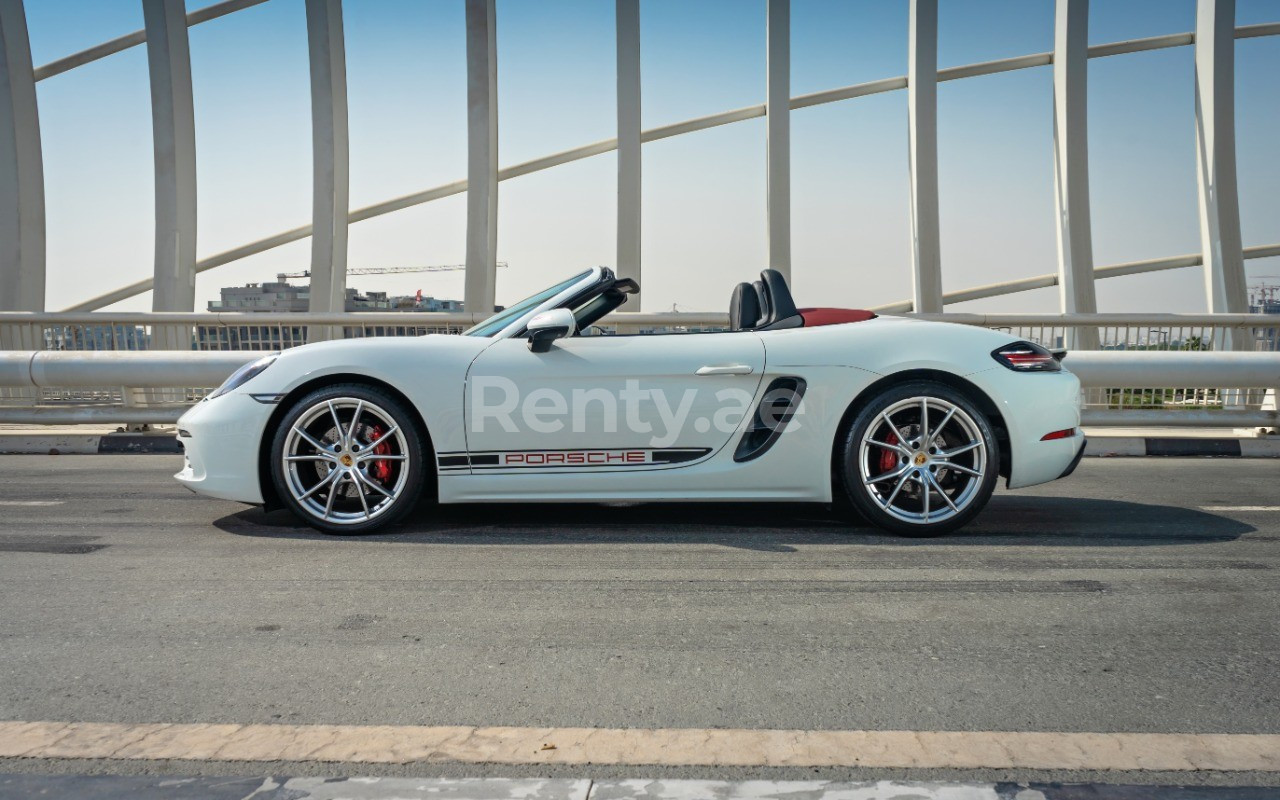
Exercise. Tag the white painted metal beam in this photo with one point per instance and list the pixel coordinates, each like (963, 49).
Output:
(1071, 166)
(1216, 156)
(922, 124)
(22, 231)
(482, 156)
(329, 155)
(136, 38)
(629, 180)
(778, 120)
(674, 129)
(174, 135)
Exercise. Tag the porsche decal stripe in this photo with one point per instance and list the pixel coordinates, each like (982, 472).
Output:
(679, 456)
(590, 457)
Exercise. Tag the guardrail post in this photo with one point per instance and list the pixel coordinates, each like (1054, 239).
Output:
(778, 121)
(482, 157)
(330, 161)
(628, 242)
(1220, 242)
(22, 247)
(1071, 168)
(922, 124)
(174, 134)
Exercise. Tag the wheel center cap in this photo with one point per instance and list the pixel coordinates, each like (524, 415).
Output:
(346, 460)
(920, 459)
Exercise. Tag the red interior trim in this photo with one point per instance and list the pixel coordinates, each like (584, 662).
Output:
(817, 317)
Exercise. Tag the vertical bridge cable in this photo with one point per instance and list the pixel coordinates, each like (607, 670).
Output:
(330, 157)
(778, 121)
(1071, 168)
(1220, 241)
(482, 157)
(22, 230)
(174, 134)
(922, 124)
(629, 172)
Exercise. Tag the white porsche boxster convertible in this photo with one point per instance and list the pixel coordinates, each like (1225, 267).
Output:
(905, 422)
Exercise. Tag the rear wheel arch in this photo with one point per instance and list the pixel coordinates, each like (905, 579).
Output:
(970, 390)
(269, 496)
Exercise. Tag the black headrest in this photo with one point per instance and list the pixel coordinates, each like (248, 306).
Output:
(744, 308)
(762, 294)
(781, 306)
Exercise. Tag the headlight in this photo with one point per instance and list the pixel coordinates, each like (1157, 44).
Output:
(243, 375)
(1027, 357)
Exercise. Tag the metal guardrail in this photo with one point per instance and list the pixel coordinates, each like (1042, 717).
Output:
(64, 368)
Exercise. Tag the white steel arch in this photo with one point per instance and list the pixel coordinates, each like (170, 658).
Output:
(173, 132)
(330, 155)
(778, 134)
(922, 152)
(1216, 156)
(629, 171)
(1221, 253)
(22, 250)
(1071, 165)
(482, 155)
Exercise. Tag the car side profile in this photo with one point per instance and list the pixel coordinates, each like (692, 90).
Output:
(907, 423)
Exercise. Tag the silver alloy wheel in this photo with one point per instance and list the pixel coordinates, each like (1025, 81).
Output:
(345, 461)
(922, 460)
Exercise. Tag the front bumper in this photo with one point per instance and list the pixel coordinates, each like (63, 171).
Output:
(220, 440)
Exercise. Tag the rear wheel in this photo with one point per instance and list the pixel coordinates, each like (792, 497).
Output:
(920, 459)
(348, 459)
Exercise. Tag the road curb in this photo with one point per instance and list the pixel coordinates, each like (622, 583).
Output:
(1156, 446)
(164, 787)
(80, 444)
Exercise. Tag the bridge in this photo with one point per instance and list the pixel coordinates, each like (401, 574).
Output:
(29, 324)
(1116, 628)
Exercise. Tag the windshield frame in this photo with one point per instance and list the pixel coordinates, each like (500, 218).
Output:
(517, 324)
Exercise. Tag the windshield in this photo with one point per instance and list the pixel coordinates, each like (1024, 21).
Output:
(503, 318)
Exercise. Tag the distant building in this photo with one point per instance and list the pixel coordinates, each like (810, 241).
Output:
(283, 297)
(1265, 299)
(279, 296)
(96, 337)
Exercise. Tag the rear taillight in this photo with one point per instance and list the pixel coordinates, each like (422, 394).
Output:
(1065, 433)
(1027, 357)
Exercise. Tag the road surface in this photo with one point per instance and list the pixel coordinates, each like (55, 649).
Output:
(1139, 596)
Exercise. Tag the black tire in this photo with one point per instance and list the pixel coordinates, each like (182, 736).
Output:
(910, 502)
(383, 491)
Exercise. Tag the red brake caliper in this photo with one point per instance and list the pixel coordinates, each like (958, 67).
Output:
(381, 468)
(889, 458)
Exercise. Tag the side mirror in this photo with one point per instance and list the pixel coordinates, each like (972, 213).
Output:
(545, 328)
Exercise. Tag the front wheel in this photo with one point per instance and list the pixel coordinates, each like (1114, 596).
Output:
(919, 459)
(348, 459)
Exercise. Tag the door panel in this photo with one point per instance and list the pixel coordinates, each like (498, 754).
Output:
(609, 402)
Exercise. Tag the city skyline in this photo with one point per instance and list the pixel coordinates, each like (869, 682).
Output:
(704, 193)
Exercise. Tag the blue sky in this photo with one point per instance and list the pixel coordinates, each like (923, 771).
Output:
(704, 206)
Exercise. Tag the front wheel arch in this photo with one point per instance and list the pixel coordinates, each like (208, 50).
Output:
(271, 501)
(971, 391)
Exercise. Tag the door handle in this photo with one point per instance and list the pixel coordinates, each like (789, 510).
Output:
(730, 369)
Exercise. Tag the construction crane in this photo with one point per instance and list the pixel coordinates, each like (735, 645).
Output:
(284, 276)
(1264, 292)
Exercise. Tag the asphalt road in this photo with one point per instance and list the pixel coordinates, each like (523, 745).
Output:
(1111, 602)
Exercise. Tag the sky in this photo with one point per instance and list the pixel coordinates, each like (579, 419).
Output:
(703, 193)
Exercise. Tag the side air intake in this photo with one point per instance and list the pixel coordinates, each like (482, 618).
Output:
(777, 407)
